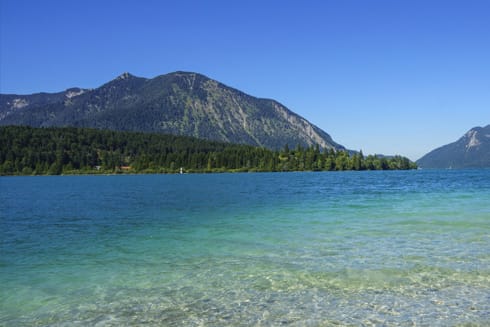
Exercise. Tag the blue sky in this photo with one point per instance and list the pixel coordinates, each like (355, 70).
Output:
(384, 76)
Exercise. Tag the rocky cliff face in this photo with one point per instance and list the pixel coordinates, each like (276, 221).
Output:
(472, 150)
(179, 103)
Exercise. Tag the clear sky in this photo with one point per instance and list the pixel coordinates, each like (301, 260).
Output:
(384, 76)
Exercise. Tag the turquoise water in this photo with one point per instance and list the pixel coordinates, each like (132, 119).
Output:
(316, 249)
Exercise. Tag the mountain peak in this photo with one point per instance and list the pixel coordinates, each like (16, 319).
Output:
(125, 80)
(476, 136)
(124, 75)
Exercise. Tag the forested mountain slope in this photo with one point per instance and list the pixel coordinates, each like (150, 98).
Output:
(39, 151)
(179, 103)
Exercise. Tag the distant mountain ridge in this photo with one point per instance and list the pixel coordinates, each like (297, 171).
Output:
(179, 103)
(472, 150)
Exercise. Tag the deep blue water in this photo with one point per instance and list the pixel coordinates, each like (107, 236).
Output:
(348, 248)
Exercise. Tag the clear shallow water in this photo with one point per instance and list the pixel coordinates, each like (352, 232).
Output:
(317, 249)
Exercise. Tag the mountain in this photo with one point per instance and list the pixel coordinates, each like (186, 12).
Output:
(179, 103)
(470, 151)
(12, 103)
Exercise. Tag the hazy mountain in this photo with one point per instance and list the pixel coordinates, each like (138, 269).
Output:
(470, 151)
(179, 103)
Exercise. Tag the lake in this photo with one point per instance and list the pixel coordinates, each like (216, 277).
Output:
(318, 249)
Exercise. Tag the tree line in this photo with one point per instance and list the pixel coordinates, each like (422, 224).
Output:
(55, 151)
